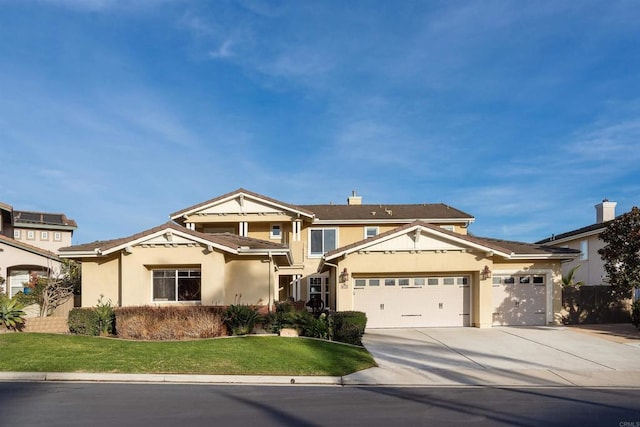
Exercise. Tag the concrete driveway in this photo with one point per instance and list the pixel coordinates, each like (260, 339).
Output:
(505, 356)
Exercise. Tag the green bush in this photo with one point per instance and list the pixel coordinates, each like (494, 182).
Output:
(240, 319)
(11, 313)
(348, 326)
(106, 317)
(84, 321)
(635, 313)
(317, 327)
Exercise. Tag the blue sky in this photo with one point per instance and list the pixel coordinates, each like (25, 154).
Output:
(523, 114)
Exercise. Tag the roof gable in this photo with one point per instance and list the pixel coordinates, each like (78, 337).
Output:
(171, 234)
(420, 236)
(241, 201)
(28, 248)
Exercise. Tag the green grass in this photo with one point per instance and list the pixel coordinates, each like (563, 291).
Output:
(253, 355)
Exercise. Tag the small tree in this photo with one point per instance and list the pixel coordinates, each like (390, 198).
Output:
(621, 253)
(569, 279)
(48, 292)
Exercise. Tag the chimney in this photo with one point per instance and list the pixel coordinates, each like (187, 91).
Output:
(605, 211)
(354, 199)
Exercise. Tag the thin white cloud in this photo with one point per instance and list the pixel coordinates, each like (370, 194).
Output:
(223, 51)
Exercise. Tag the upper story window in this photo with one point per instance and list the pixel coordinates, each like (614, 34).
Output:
(57, 236)
(584, 250)
(31, 234)
(16, 234)
(44, 235)
(448, 227)
(322, 240)
(276, 231)
(370, 232)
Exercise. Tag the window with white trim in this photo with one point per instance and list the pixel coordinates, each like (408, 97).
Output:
(370, 232)
(322, 240)
(16, 234)
(448, 227)
(276, 231)
(176, 285)
(57, 236)
(31, 235)
(584, 250)
(44, 235)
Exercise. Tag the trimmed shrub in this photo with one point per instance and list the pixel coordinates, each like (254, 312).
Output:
(240, 319)
(170, 323)
(84, 321)
(348, 326)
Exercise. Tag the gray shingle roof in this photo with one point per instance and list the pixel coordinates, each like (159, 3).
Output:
(230, 241)
(387, 212)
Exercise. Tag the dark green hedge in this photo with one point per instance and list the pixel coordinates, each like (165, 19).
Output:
(348, 326)
(84, 321)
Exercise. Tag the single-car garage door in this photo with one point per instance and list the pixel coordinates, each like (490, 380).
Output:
(519, 299)
(396, 302)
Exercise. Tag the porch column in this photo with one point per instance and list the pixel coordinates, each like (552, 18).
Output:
(243, 229)
(296, 230)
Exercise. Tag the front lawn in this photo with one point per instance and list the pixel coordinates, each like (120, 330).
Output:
(252, 355)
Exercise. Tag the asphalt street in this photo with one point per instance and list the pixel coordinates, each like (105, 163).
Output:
(108, 404)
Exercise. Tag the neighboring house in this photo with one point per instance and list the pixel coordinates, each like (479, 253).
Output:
(404, 265)
(586, 240)
(28, 242)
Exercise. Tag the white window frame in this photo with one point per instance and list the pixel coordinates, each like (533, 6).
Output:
(324, 249)
(584, 250)
(324, 288)
(176, 300)
(376, 231)
(16, 234)
(451, 228)
(31, 235)
(44, 235)
(272, 235)
(57, 236)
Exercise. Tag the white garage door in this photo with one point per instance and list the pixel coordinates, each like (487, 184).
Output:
(396, 302)
(519, 300)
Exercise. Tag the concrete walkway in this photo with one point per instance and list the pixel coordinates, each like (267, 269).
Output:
(448, 357)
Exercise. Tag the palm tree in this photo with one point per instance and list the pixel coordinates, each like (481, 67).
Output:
(568, 280)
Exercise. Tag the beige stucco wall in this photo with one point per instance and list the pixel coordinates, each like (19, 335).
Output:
(48, 244)
(591, 270)
(14, 258)
(100, 277)
(126, 279)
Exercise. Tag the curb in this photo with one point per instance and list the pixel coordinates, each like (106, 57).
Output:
(168, 378)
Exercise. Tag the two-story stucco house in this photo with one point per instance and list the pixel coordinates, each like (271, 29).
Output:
(28, 244)
(586, 240)
(404, 265)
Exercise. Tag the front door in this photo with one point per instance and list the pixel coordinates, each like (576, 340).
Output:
(319, 289)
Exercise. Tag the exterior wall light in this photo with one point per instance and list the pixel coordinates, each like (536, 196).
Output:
(344, 276)
(485, 273)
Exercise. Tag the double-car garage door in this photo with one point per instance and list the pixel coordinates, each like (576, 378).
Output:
(429, 301)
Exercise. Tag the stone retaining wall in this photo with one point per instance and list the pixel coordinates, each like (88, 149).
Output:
(51, 325)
